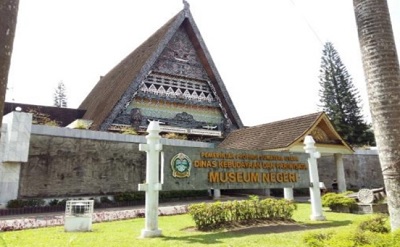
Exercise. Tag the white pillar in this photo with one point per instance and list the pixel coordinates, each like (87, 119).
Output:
(217, 194)
(152, 184)
(341, 179)
(9, 182)
(315, 193)
(14, 150)
(288, 194)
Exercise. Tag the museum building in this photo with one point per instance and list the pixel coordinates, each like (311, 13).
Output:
(170, 78)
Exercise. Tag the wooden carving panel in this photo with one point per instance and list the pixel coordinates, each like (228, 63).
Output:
(180, 58)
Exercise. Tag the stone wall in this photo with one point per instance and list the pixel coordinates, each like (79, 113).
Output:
(69, 163)
(60, 166)
(362, 170)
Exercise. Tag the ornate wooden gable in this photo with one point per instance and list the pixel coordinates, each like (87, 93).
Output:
(170, 78)
(177, 92)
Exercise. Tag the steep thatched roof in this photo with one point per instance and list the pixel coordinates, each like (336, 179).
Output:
(116, 88)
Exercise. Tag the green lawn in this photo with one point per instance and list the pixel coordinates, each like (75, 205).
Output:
(178, 231)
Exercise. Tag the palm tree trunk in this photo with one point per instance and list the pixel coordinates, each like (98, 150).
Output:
(382, 72)
(8, 22)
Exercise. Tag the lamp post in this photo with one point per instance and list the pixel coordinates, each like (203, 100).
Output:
(152, 184)
(315, 193)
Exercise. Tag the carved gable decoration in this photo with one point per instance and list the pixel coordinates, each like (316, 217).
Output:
(177, 91)
(319, 135)
(180, 58)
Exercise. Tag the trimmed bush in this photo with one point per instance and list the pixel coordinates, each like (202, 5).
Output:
(129, 196)
(333, 200)
(372, 232)
(376, 224)
(216, 215)
(17, 203)
(20, 203)
(313, 239)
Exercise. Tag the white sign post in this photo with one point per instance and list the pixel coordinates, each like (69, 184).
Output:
(315, 193)
(152, 184)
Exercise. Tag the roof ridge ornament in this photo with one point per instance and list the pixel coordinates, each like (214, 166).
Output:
(186, 6)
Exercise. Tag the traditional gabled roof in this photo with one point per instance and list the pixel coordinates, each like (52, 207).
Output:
(116, 88)
(284, 134)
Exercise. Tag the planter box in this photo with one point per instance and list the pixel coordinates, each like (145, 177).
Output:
(371, 208)
(341, 209)
(78, 223)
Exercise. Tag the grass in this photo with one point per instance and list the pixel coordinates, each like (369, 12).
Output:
(179, 231)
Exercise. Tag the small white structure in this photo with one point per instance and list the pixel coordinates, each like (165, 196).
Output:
(78, 216)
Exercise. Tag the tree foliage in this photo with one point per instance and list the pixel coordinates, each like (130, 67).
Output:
(340, 99)
(60, 96)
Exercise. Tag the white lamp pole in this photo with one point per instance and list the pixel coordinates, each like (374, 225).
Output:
(315, 193)
(152, 184)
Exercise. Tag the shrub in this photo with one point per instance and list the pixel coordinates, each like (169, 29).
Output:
(105, 199)
(20, 203)
(219, 214)
(129, 196)
(63, 202)
(395, 236)
(181, 194)
(362, 236)
(333, 200)
(376, 224)
(16, 203)
(54, 202)
(34, 203)
(348, 192)
(313, 239)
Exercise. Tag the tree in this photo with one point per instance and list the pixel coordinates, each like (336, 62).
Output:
(340, 99)
(8, 23)
(382, 74)
(60, 96)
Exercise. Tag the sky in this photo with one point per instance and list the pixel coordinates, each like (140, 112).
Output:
(267, 52)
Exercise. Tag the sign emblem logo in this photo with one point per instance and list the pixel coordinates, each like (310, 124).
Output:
(181, 165)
